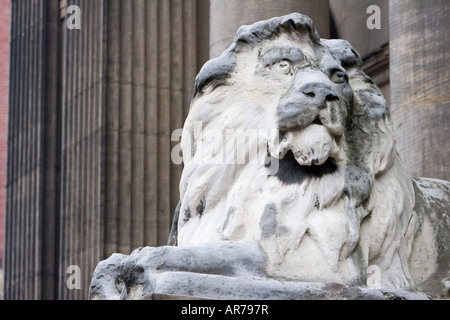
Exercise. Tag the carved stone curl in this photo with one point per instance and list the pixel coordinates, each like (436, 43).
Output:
(292, 185)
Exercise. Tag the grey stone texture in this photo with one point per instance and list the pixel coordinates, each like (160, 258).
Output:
(420, 78)
(207, 272)
(433, 201)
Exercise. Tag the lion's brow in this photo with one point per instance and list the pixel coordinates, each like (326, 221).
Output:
(275, 54)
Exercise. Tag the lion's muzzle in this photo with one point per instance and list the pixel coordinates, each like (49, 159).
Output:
(312, 96)
(309, 119)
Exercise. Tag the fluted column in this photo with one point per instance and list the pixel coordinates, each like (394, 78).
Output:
(82, 135)
(420, 82)
(92, 111)
(227, 16)
(33, 148)
(151, 67)
(130, 74)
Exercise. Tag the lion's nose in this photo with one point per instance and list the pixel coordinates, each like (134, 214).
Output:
(310, 94)
(318, 94)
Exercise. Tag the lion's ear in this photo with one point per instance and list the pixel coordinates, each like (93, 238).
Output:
(343, 52)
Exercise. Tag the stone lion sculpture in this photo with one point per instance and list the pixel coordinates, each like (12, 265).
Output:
(291, 184)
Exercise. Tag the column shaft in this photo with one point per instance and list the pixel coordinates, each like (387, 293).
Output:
(420, 82)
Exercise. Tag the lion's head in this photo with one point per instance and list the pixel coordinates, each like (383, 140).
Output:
(289, 144)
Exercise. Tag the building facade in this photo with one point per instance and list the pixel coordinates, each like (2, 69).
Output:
(4, 79)
(93, 104)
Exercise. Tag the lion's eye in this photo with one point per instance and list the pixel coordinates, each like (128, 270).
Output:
(283, 66)
(339, 77)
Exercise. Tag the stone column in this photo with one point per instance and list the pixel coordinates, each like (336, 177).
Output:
(82, 146)
(32, 201)
(151, 65)
(92, 111)
(227, 16)
(420, 82)
(129, 78)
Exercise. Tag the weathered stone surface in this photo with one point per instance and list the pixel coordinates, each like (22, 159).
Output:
(292, 187)
(432, 201)
(206, 271)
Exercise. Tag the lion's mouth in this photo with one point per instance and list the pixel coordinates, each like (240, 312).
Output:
(311, 151)
(317, 121)
(290, 171)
